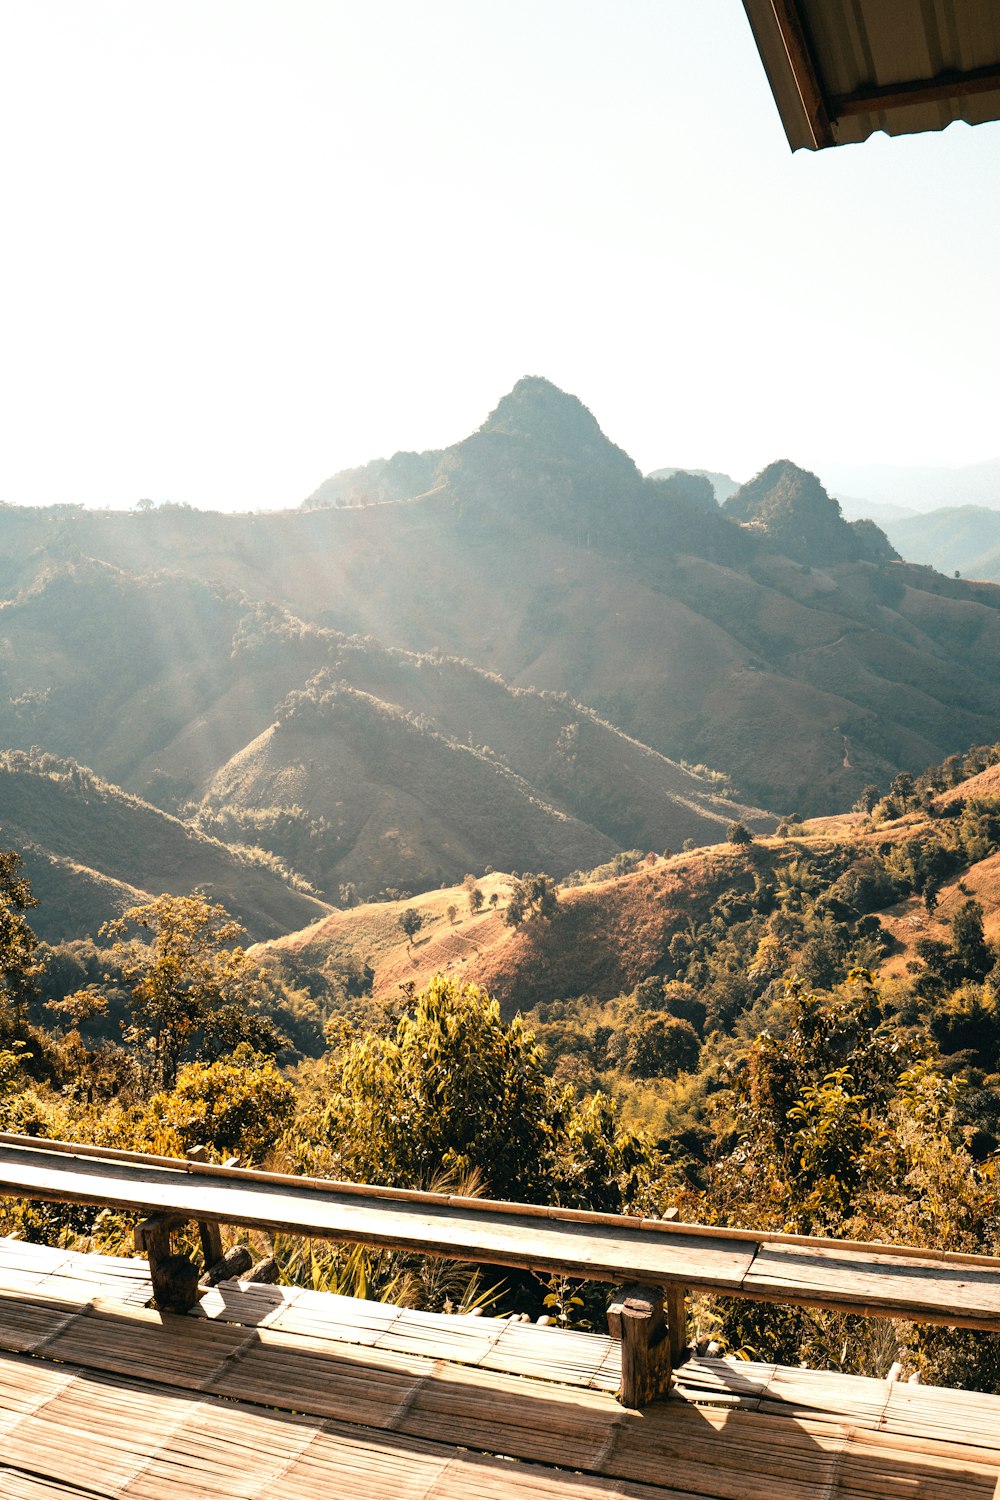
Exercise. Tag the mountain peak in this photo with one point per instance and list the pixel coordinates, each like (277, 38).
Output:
(539, 413)
(780, 487)
(802, 520)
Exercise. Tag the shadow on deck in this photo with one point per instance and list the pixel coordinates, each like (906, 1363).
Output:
(283, 1392)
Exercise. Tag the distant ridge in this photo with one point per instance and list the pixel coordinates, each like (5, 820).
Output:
(962, 537)
(90, 849)
(920, 487)
(723, 484)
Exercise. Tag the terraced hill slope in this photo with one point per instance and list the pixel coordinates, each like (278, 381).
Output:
(783, 894)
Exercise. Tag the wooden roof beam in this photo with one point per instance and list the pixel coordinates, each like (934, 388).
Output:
(875, 97)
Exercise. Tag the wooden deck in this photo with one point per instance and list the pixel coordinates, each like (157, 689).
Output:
(296, 1395)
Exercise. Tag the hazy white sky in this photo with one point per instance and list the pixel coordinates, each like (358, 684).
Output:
(246, 243)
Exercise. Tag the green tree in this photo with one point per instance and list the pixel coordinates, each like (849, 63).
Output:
(868, 799)
(19, 960)
(411, 921)
(474, 894)
(455, 1089)
(794, 885)
(968, 1020)
(531, 896)
(459, 1091)
(739, 834)
(968, 957)
(597, 1164)
(902, 788)
(972, 952)
(191, 986)
(655, 1046)
(240, 1104)
(807, 1100)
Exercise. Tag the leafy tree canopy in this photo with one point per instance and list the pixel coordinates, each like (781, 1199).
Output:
(411, 921)
(191, 992)
(238, 1105)
(457, 1090)
(531, 896)
(19, 963)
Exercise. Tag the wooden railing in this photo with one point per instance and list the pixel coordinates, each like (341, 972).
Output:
(657, 1260)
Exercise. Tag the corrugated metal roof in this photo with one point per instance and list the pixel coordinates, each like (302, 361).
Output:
(842, 69)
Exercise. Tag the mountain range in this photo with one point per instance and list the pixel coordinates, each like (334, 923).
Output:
(516, 651)
(961, 539)
(920, 487)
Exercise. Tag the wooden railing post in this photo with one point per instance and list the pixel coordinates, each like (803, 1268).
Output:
(636, 1317)
(209, 1230)
(174, 1277)
(675, 1300)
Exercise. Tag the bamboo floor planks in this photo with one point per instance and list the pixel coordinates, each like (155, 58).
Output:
(492, 1344)
(296, 1395)
(85, 1434)
(76, 1281)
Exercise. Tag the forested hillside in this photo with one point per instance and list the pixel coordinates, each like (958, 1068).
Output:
(358, 767)
(90, 849)
(799, 1031)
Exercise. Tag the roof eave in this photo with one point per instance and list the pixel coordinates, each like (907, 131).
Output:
(833, 95)
(792, 73)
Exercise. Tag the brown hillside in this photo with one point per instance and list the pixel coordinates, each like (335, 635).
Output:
(404, 806)
(908, 922)
(609, 934)
(986, 784)
(601, 941)
(453, 768)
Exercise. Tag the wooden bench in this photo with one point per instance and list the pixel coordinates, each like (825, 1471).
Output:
(658, 1260)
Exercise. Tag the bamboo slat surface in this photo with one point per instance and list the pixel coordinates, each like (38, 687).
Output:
(74, 1281)
(493, 1344)
(881, 1281)
(76, 1433)
(296, 1395)
(81, 1437)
